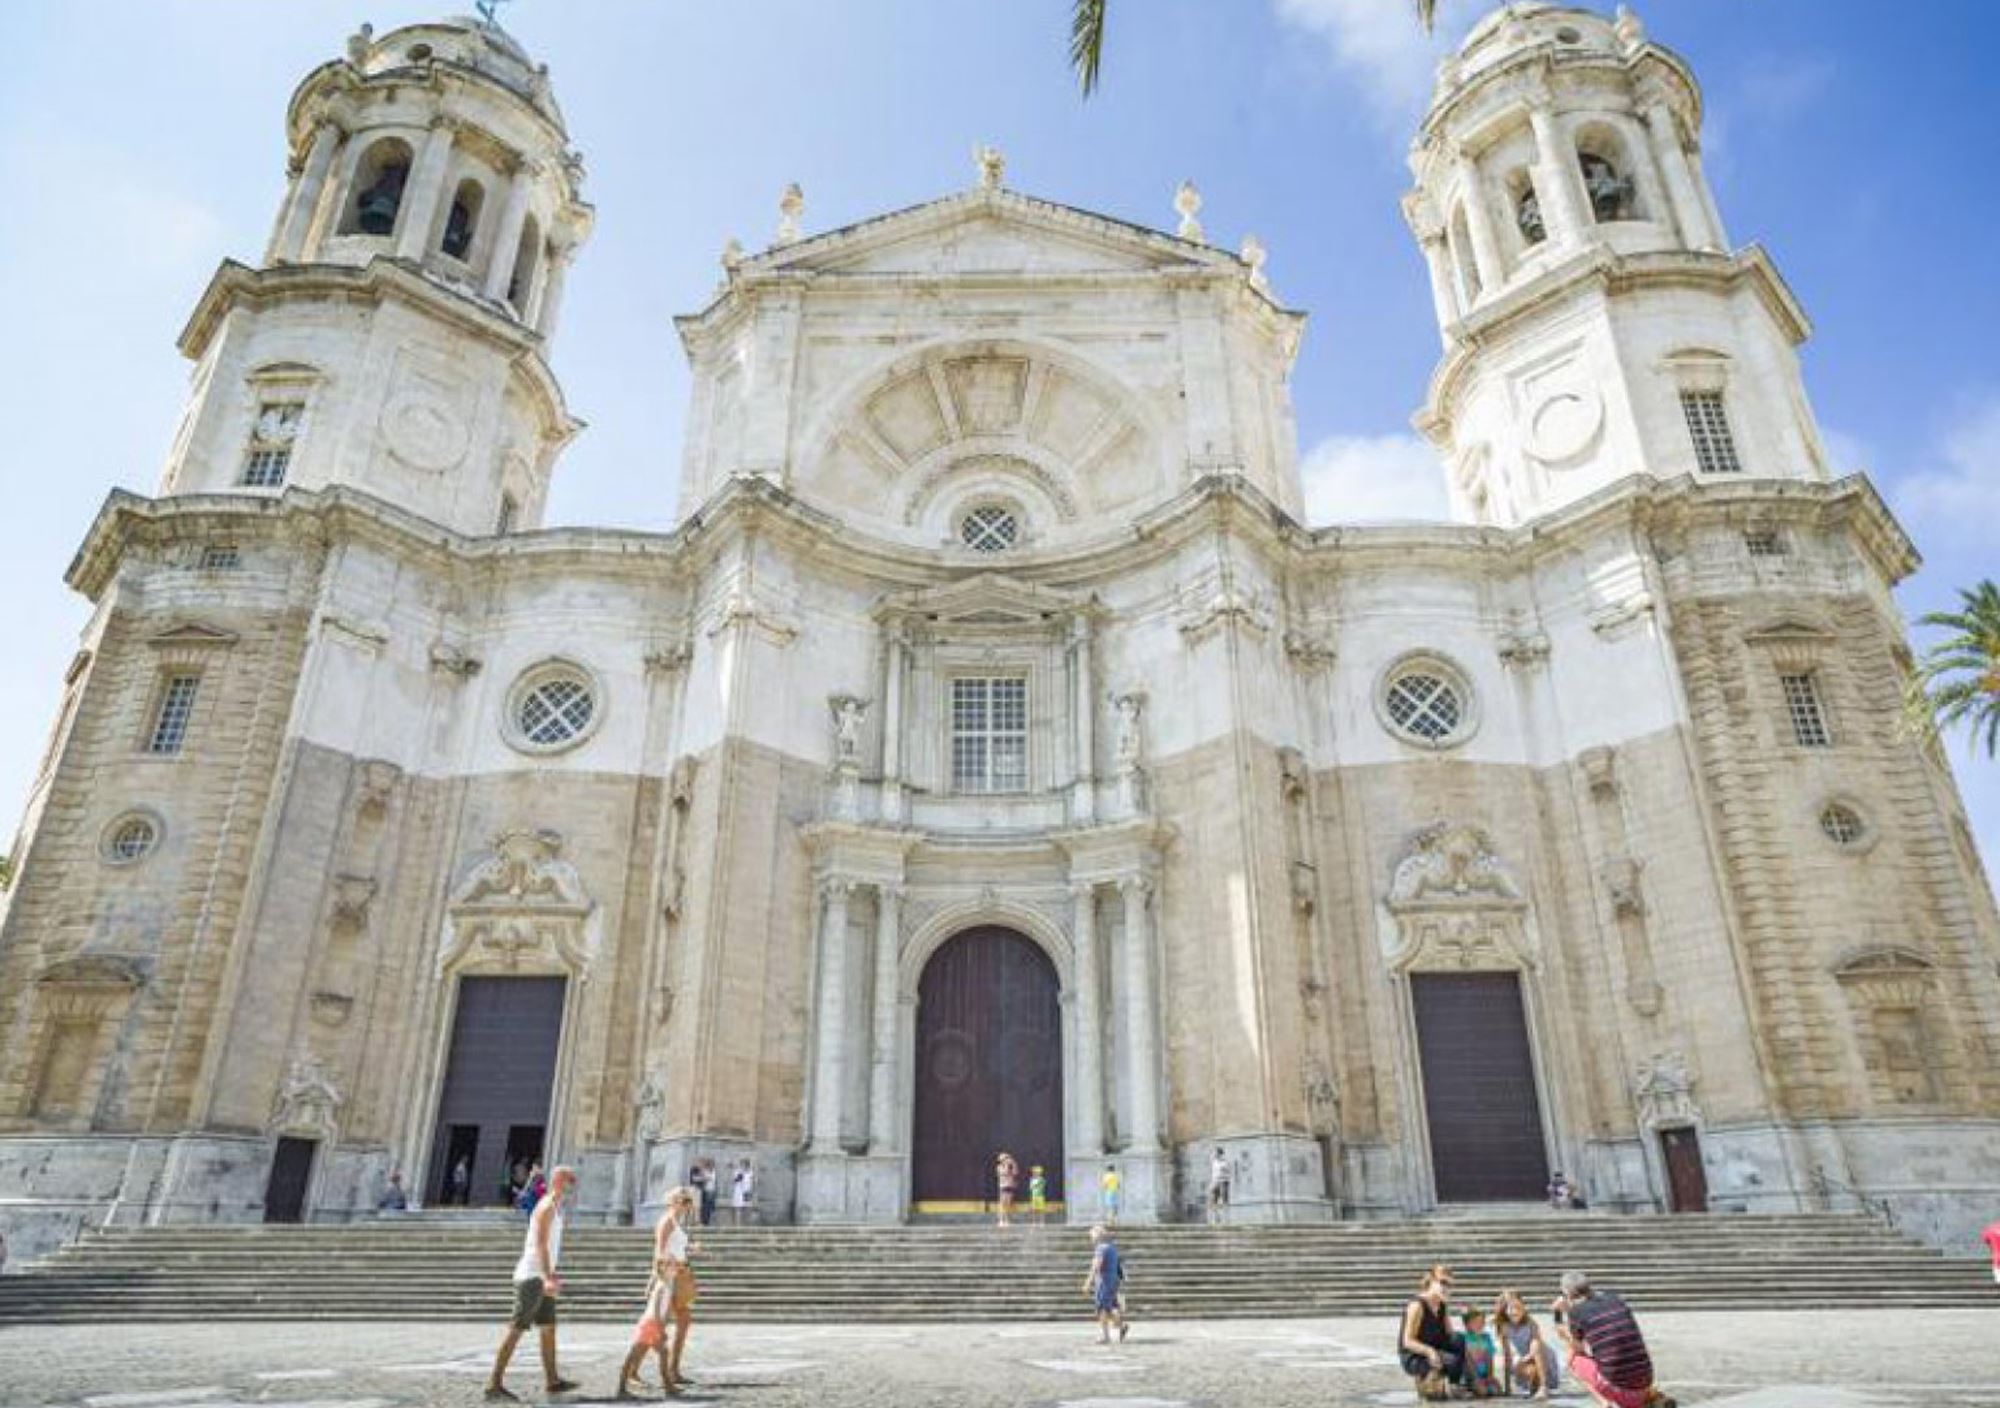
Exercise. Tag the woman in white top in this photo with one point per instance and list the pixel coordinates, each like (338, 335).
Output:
(669, 1292)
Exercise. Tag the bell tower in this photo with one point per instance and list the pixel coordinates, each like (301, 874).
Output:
(394, 339)
(1596, 323)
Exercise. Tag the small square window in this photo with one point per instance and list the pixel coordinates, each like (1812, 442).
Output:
(170, 719)
(1708, 425)
(1765, 542)
(221, 557)
(1802, 705)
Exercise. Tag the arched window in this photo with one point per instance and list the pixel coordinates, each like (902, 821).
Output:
(526, 255)
(1612, 193)
(377, 189)
(463, 221)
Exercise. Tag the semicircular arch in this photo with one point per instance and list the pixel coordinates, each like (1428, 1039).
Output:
(953, 920)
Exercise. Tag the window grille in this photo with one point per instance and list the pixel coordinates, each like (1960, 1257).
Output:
(989, 528)
(1808, 718)
(555, 711)
(271, 438)
(1708, 425)
(132, 839)
(170, 720)
(1764, 542)
(221, 557)
(1841, 824)
(1425, 705)
(989, 734)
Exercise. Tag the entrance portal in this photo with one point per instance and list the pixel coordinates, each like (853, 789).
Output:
(1479, 1088)
(291, 1174)
(989, 1070)
(1687, 1181)
(497, 1082)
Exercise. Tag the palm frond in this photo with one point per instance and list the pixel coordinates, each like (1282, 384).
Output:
(1427, 14)
(1086, 42)
(1957, 682)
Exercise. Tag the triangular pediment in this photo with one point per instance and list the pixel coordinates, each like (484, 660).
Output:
(990, 232)
(190, 633)
(989, 599)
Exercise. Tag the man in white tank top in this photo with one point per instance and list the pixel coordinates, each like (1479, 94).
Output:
(537, 1286)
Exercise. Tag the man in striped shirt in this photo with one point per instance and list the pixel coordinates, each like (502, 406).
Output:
(1607, 1354)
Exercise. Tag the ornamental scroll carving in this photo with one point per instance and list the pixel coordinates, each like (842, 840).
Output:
(522, 908)
(308, 1102)
(1664, 1091)
(1455, 905)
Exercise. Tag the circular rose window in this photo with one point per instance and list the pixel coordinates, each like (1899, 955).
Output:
(1426, 701)
(552, 707)
(131, 838)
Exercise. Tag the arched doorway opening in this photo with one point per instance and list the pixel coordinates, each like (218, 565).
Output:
(989, 1062)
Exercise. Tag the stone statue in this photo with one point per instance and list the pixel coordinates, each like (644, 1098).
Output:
(1254, 255)
(992, 166)
(358, 44)
(791, 205)
(1129, 744)
(1187, 200)
(848, 714)
(1528, 215)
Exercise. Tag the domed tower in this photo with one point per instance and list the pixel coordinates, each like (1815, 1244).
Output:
(1595, 323)
(395, 338)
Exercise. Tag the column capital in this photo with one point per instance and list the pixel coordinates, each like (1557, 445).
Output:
(1081, 890)
(840, 887)
(891, 892)
(1129, 885)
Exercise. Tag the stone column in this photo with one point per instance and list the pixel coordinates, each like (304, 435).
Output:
(1716, 229)
(550, 307)
(1479, 221)
(290, 241)
(1089, 1022)
(892, 723)
(1664, 129)
(1560, 183)
(882, 1121)
(1444, 298)
(1141, 1041)
(1083, 728)
(507, 237)
(830, 1038)
(424, 191)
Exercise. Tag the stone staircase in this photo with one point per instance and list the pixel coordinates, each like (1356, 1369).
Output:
(439, 1268)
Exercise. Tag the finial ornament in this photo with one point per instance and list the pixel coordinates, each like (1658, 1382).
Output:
(1187, 200)
(992, 166)
(1629, 28)
(489, 12)
(791, 205)
(732, 255)
(1254, 254)
(358, 44)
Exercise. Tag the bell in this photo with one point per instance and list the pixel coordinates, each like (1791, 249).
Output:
(375, 211)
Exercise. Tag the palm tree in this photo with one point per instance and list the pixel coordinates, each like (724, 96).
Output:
(1958, 680)
(1086, 36)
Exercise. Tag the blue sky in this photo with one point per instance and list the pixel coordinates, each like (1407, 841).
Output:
(141, 141)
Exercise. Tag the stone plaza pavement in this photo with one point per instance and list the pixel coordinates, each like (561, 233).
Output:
(1777, 1359)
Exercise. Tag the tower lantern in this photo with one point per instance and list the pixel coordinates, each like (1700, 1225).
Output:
(1595, 322)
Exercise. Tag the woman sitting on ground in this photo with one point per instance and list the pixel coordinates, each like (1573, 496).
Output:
(1432, 1352)
(1527, 1362)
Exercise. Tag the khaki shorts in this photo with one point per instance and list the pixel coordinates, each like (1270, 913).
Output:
(532, 1304)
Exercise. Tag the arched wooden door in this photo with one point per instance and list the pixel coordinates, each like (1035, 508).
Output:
(989, 1069)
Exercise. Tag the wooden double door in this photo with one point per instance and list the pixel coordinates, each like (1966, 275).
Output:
(1480, 1101)
(498, 1082)
(989, 1055)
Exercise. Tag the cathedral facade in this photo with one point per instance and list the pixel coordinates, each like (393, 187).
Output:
(990, 757)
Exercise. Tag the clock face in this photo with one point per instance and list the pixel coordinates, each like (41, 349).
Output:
(425, 430)
(1565, 423)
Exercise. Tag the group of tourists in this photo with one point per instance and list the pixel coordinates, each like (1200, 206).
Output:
(664, 1319)
(1601, 1346)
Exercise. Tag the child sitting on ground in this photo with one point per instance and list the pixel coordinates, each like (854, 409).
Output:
(1480, 1378)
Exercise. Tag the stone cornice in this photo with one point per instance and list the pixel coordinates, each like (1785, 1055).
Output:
(1221, 504)
(1600, 270)
(338, 78)
(235, 285)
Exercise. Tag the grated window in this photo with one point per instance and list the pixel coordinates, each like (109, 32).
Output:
(555, 711)
(1425, 705)
(989, 528)
(221, 557)
(170, 720)
(1765, 542)
(1708, 426)
(1841, 824)
(269, 458)
(1802, 706)
(132, 839)
(989, 734)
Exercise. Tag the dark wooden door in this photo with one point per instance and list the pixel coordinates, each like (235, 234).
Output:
(500, 1074)
(1479, 1088)
(1687, 1181)
(291, 1175)
(989, 1069)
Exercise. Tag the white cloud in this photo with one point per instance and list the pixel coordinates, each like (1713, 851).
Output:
(1381, 43)
(1779, 89)
(1373, 479)
(1955, 499)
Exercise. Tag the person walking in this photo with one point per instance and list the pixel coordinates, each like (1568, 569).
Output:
(1105, 1285)
(1431, 1351)
(1219, 1174)
(537, 1285)
(742, 1194)
(1006, 1173)
(705, 1189)
(664, 1301)
(1607, 1353)
(458, 1186)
